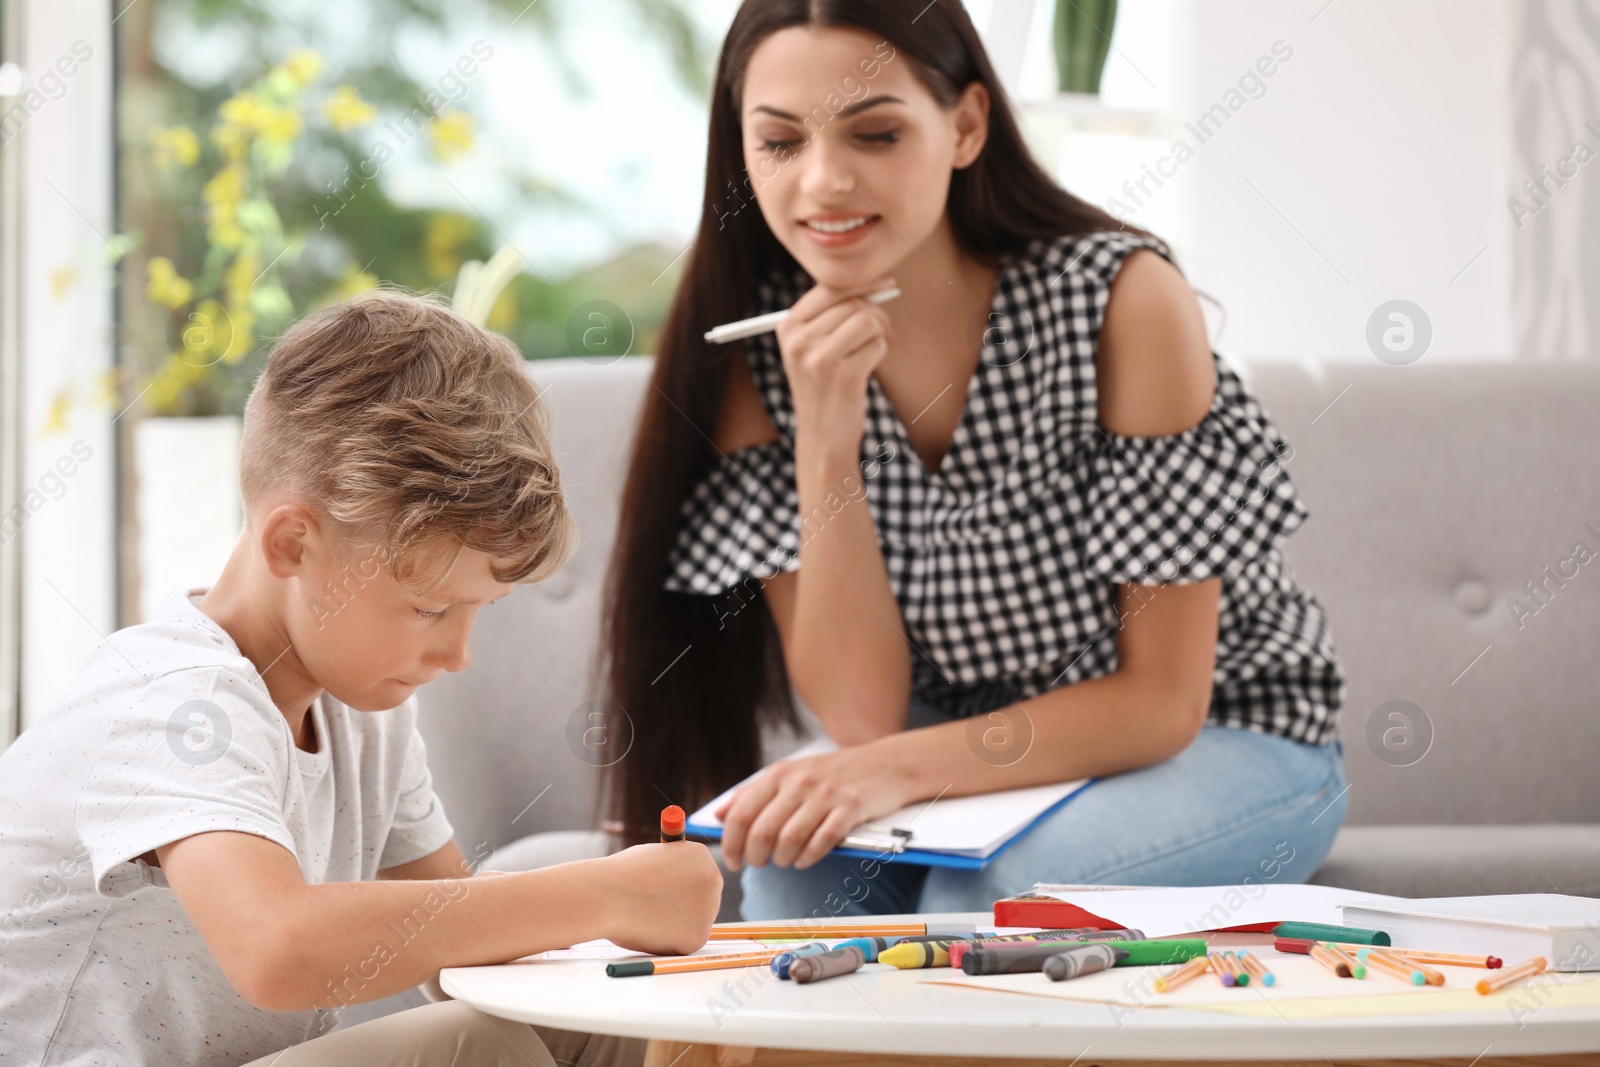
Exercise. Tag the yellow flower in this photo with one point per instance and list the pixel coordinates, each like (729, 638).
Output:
(233, 141)
(451, 134)
(440, 245)
(167, 287)
(504, 312)
(170, 382)
(227, 187)
(278, 125)
(354, 281)
(175, 146)
(105, 392)
(61, 280)
(346, 110)
(55, 419)
(222, 195)
(303, 65)
(245, 116)
(207, 335)
(241, 109)
(242, 340)
(240, 276)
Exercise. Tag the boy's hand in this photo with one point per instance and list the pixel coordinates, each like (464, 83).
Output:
(664, 898)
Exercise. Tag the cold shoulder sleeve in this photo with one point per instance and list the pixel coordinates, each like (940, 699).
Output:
(738, 520)
(1185, 507)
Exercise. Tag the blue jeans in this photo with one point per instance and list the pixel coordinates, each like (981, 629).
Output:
(1235, 807)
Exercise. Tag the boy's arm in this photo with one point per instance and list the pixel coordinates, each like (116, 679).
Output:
(286, 945)
(446, 862)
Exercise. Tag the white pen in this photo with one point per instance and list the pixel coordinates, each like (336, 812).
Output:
(735, 331)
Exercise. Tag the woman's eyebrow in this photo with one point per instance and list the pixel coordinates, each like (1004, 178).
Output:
(851, 110)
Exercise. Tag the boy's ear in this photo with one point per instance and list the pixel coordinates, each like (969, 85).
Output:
(290, 538)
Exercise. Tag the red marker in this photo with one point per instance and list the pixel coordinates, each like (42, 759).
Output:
(672, 823)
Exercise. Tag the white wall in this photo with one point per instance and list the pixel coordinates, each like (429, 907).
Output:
(68, 587)
(1375, 167)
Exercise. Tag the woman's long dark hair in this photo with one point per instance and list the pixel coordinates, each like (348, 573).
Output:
(697, 715)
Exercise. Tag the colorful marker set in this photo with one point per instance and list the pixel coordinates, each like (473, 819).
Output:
(1346, 960)
(1060, 955)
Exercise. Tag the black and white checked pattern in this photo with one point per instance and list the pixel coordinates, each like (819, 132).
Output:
(1005, 561)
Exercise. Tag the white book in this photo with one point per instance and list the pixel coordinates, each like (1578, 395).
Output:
(946, 831)
(1565, 930)
(1183, 911)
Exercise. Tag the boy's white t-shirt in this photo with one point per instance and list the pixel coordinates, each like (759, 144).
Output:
(169, 731)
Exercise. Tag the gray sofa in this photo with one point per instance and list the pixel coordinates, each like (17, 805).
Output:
(1437, 493)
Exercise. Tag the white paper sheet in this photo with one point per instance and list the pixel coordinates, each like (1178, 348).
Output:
(1179, 911)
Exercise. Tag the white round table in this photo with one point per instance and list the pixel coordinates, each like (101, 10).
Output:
(897, 1015)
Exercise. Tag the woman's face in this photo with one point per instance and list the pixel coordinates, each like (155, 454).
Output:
(839, 135)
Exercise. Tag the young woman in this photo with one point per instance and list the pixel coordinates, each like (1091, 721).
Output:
(1023, 506)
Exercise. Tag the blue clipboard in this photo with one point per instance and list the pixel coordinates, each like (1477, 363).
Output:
(915, 856)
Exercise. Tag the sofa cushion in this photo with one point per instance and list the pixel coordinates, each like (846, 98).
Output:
(1454, 861)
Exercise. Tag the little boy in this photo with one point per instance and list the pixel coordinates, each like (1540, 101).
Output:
(221, 828)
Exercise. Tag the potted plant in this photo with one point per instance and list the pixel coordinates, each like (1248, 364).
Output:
(1082, 42)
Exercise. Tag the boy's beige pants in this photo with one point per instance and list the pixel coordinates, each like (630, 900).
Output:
(453, 1033)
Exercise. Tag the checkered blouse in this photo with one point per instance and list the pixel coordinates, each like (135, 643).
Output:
(1005, 562)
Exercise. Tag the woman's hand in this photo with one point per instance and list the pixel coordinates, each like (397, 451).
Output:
(798, 810)
(831, 342)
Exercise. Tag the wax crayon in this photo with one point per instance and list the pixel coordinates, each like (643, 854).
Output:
(780, 963)
(829, 964)
(1166, 950)
(1084, 933)
(1087, 958)
(911, 955)
(1326, 932)
(872, 946)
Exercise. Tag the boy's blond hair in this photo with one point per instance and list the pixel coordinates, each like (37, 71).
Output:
(416, 431)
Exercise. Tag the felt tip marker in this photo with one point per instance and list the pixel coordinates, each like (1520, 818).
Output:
(672, 823)
(1257, 969)
(1512, 974)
